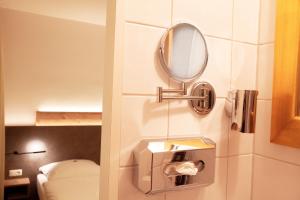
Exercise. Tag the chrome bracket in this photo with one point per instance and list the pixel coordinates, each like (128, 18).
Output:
(202, 98)
(240, 106)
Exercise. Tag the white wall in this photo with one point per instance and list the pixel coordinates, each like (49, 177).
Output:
(50, 64)
(232, 64)
(91, 11)
(240, 35)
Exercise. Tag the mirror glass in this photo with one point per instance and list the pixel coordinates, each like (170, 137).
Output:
(183, 52)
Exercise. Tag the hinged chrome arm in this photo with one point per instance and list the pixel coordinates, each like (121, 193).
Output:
(182, 91)
(161, 98)
(202, 97)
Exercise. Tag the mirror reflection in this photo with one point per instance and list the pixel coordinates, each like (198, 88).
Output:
(183, 52)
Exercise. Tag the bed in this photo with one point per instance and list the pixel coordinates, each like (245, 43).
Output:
(70, 179)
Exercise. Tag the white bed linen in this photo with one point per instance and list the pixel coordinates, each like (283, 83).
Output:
(73, 188)
(41, 179)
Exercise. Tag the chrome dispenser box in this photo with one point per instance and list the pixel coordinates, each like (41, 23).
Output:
(174, 164)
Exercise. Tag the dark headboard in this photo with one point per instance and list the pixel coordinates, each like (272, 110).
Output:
(61, 143)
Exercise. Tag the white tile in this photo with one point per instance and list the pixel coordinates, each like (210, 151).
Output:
(240, 143)
(244, 64)
(218, 68)
(239, 178)
(265, 71)
(275, 180)
(128, 191)
(267, 21)
(216, 191)
(142, 73)
(246, 20)
(153, 12)
(142, 117)
(184, 122)
(213, 17)
(263, 146)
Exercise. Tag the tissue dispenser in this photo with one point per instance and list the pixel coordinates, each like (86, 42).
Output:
(164, 165)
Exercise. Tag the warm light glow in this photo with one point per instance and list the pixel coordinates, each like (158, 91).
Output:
(35, 145)
(68, 108)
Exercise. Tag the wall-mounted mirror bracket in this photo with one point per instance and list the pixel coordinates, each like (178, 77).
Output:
(161, 91)
(202, 97)
(183, 56)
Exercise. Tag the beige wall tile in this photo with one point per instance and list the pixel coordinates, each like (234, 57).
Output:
(142, 117)
(153, 12)
(184, 122)
(216, 191)
(267, 21)
(142, 73)
(240, 143)
(213, 17)
(265, 71)
(275, 180)
(239, 178)
(246, 20)
(244, 62)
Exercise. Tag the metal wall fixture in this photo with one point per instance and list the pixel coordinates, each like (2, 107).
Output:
(164, 165)
(240, 106)
(183, 56)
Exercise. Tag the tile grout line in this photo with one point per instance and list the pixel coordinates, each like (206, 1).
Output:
(278, 160)
(239, 155)
(259, 22)
(252, 176)
(230, 87)
(153, 95)
(256, 87)
(206, 35)
(139, 94)
(264, 99)
(145, 24)
(169, 84)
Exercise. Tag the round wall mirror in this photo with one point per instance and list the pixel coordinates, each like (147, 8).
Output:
(183, 52)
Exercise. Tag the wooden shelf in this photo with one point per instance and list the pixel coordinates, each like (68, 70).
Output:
(68, 118)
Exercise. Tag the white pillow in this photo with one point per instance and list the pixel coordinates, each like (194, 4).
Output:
(70, 168)
(45, 169)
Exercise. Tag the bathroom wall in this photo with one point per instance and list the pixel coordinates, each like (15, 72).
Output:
(240, 39)
(50, 64)
(230, 28)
